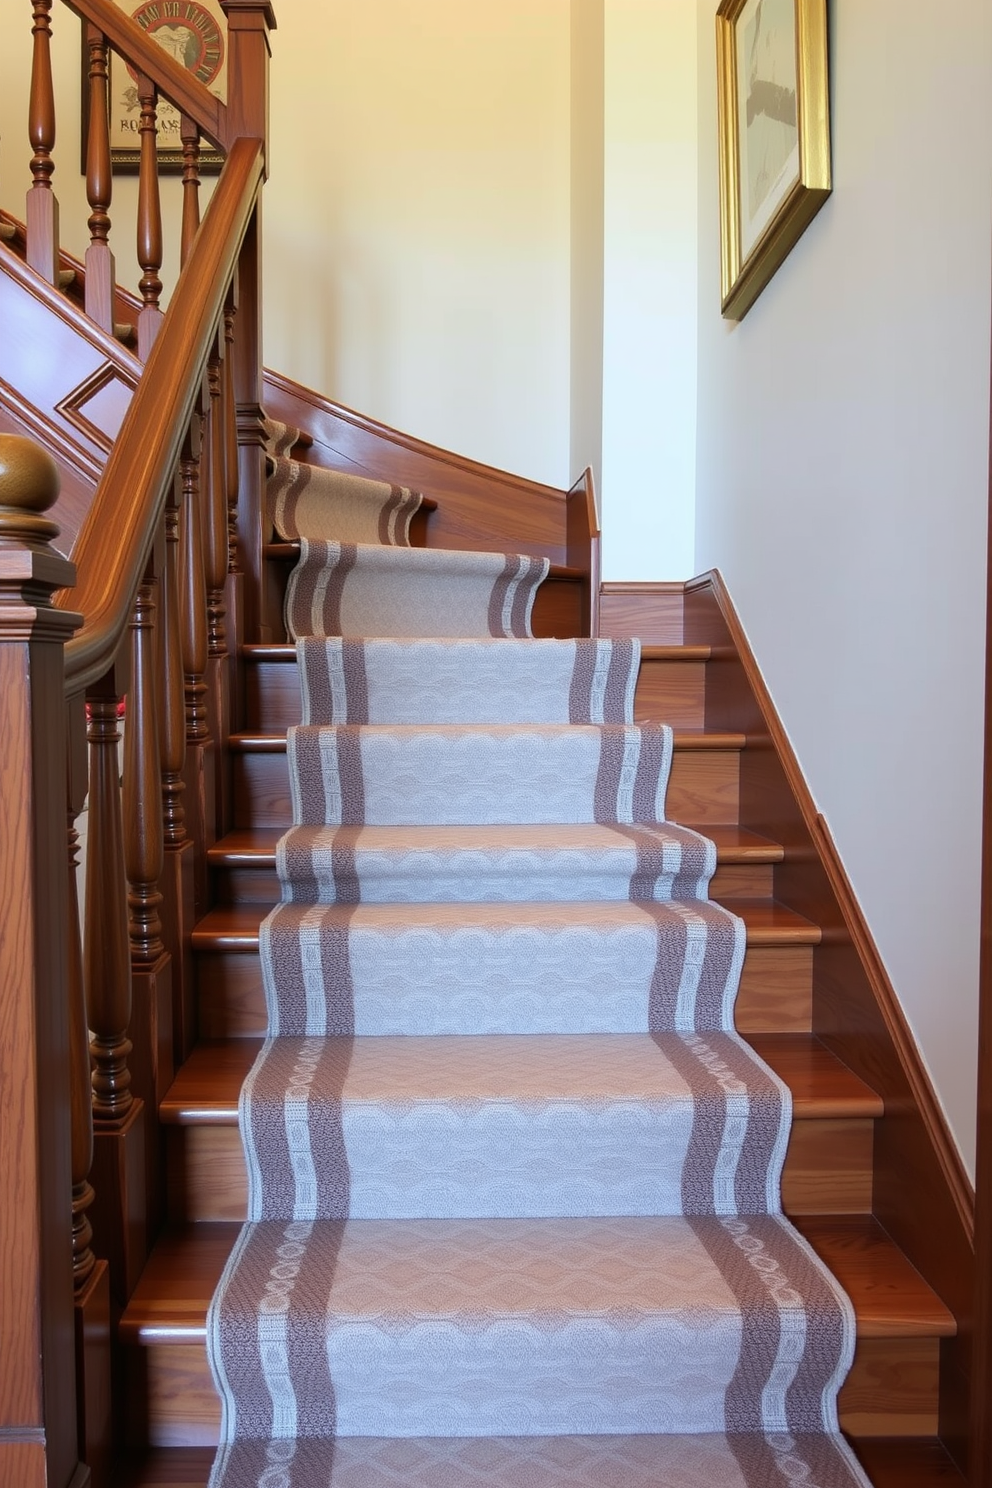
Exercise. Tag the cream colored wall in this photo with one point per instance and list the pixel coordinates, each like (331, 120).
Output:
(649, 297)
(843, 487)
(417, 219)
(586, 267)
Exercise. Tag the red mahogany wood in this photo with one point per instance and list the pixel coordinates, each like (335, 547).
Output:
(190, 136)
(99, 291)
(149, 220)
(42, 207)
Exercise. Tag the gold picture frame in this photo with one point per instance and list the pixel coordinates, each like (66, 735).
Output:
(773, 102)
(196, 31)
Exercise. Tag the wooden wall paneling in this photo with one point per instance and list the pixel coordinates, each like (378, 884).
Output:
(38, 1438)
(921, 1193)
(479, 507)
(651, 612)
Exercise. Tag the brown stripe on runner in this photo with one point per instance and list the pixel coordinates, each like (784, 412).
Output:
(531, 574)
(709, 1120)
(306, 769)
(311, 1071)
(412, 501)
(301, 475)
(765, 1118)
(387, 512)
(356, 682)
(351, 776)
(649, 864)
(347, 885)
(316, 556)
(649, 767)
(612, 747)
(617, 677)
(292, 1014)
(718, 960)
(316, 1409)
(824, 1341)
(580, 688)
(500, 589)
(234, 1313)
(761, 1326)
(346, 560)
(315, 667)
(663, 996)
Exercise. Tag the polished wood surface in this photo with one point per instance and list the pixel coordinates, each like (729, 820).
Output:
(37, 1380)
(100, 275)
(651, 612)
(190, 136)
(478, 507)
(144, 456)
(149, 219)
(42, 207)
(920, 1191)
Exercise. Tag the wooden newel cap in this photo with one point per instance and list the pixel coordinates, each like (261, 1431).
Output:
(29, 485)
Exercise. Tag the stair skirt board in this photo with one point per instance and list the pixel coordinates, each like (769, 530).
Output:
(506, 1226)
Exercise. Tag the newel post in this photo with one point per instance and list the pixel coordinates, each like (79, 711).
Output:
(250, 23)
(38, 1429)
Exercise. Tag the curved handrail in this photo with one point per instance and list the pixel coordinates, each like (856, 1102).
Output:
(116, 538)
(180, 87)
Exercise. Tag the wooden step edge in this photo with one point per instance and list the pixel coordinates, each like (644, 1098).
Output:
(891, 1462)
(684, 740)
(890, 1298)
(285, 651)
(255, 847)
(206, 1088)
(234, 927)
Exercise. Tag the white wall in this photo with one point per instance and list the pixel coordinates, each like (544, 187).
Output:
(649, 295)
(417, 219)
(586, 266)
(843, 484)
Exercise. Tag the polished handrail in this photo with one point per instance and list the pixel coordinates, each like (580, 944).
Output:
(126, 512)
(173, 81)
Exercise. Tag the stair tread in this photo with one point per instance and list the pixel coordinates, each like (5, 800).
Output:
(275, 743)
(256, 846)
(234, 927)
(288, 551)
(891, 1462)
(206, 1088)
(891, 1299)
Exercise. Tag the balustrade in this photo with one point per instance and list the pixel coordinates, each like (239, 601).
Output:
(99, 188)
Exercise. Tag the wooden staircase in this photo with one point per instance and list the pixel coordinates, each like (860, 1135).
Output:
(893, 1390)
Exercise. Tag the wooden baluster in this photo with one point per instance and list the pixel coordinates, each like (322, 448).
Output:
(119, 1145)
(190, 136)
(214, 505)
(149, 220)
(91, 1278)
(42, 206)
(151, 966)
(200, 815)
(231, 429)
(99, 188)
(177, 874)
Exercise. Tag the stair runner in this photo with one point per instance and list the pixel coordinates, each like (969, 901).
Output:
(514, 1211)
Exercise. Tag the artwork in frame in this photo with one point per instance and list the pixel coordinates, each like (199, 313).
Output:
(774, 132)
(194, 32)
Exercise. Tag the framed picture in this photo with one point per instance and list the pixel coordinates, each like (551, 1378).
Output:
(195, 33)
(774, 131)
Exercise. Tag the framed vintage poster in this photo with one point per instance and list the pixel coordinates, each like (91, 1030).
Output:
(195, 33)
(774, 133)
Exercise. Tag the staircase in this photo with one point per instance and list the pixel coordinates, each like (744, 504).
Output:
(865, 1147)
(892, 1391)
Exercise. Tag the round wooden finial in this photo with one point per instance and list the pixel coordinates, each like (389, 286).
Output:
(29, 485)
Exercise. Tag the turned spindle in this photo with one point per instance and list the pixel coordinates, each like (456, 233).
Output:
(231, 458)
(215, 526)
(190, 136)
(149, 219)
(142, 786)
(80, 1087)
(99, 188)
(172, 736)
(106, 945)
(193, 590)
(42, 207)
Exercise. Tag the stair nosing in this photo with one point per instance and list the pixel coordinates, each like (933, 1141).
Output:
(266, 742)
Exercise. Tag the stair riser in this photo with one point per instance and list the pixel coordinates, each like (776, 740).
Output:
(775, 994)
(704, 787)
(261, 886)
(827, 1170)
(669, 692)
(891, 1391)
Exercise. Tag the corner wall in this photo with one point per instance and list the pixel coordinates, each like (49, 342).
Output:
(843, 462)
